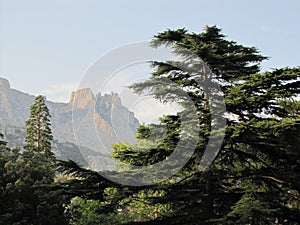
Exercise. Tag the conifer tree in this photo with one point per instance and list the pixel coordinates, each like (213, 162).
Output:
(256, 170)
(38, 153)
(38, 128)
(38, 171)
(26, 177)
(255, 177)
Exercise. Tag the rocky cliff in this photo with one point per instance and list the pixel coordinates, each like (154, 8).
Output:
(92, 121)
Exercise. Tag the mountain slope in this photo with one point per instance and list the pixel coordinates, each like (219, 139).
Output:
(93, 122)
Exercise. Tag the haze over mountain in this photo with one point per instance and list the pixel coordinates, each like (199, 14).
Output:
(94, 122)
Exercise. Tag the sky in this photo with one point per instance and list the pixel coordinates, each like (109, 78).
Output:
(47, 46)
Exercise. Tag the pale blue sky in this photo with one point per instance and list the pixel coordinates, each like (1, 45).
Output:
(46, 46)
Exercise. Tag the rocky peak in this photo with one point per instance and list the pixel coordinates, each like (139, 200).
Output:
(108, 100)
(93, 121)
(4, 84)
(82, 98)
(115, 98)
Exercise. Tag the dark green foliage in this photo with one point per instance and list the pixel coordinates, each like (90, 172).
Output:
(26, 197)
(8, 174)
(38, 128)
(254, 178)
(37, 157)
(257, 169)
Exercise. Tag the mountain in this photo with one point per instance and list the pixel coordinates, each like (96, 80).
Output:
(89, 124)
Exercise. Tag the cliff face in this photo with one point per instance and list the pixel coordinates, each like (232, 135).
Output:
(98, 121)
(13, 104)
(92, 121)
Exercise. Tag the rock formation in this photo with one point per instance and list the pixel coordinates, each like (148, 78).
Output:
(92, 121)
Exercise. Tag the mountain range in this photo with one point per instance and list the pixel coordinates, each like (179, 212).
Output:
(83, 129)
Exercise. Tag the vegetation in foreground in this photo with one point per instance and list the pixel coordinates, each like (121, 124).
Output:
(253, 180)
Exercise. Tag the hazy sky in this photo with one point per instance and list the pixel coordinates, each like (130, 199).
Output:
(46, 46)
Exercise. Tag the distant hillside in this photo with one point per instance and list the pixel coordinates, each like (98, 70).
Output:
(93, 122)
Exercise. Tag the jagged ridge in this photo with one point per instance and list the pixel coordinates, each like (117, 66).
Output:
(93, 121)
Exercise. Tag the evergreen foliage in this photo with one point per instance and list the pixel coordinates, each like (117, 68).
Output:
(255, 177)
(26, 177)
(38, 128)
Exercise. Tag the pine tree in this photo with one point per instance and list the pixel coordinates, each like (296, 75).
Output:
(38, 171)
(26, 177)
(257, 162)
(38, 128)
(38, 154)
(255, 177)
